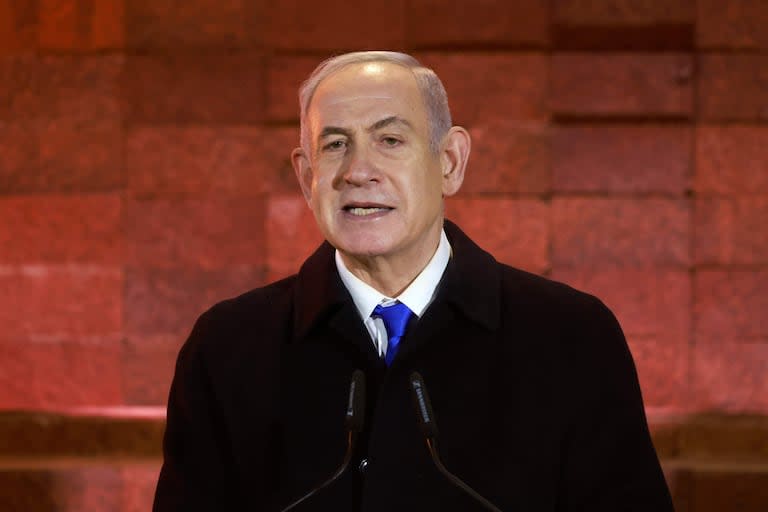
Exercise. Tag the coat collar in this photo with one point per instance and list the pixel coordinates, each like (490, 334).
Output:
(471, 283)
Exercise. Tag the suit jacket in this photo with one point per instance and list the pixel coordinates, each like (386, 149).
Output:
(533, 387)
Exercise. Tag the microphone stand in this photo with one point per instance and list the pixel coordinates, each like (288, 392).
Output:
(429, 429)
(353, 422)
(332, 478)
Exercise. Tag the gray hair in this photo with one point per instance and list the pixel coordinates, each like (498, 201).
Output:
(430, 86)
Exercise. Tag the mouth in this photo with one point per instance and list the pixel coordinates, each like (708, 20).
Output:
(363, 210)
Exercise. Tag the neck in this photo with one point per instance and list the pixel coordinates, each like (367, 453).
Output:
(391, 275)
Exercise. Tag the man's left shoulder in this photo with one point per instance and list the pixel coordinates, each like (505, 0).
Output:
(525, 289)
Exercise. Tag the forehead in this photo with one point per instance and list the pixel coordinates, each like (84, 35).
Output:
(367, 88)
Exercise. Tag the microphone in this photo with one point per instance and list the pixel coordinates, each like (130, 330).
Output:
(354, 420)
(429, 429)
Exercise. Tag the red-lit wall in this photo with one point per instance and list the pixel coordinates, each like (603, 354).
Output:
(620, 146)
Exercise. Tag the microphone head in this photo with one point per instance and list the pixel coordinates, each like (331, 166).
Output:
(355, 417)
(423, 406)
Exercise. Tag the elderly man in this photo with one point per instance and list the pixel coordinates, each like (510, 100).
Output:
(532, 384)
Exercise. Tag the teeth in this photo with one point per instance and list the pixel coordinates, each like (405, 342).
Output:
(364, 211)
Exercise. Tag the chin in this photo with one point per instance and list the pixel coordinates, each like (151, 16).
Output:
(363, 246)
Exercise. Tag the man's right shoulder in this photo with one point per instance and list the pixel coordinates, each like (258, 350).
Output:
(247, 316)
(272, 297)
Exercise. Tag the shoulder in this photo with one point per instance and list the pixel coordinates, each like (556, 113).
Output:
(574, 323)
(528, 291)
(242, 323)
(252, 305)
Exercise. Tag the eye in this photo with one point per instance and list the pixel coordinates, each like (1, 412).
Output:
(391, 141)
(335, 145)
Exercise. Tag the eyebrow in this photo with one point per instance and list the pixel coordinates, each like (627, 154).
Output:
(378, 125)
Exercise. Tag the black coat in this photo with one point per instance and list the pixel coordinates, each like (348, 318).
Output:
(533, 387)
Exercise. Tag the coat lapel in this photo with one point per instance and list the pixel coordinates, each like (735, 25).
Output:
(323, 305)
(470, 290)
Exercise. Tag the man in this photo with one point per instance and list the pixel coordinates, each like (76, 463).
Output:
(532, 384)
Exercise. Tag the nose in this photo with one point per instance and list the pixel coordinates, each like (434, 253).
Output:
(359, 168)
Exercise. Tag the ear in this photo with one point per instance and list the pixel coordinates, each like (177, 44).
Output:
(303, 169)
(454, 156)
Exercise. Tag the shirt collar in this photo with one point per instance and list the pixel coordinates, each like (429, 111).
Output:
(417, 296)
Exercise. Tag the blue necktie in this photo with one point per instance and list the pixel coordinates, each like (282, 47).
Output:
(396, 318)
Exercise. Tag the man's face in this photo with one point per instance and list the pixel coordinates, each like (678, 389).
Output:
(375, 186)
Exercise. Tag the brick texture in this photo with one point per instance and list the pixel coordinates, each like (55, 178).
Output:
(716, 490)
(739, 24)
(517, 236)
(83, 25)
(623, 233)
(199, 161)
(623, 12)
(17, 26)
(333, 26)
(224, 88)
(64, 130)
(731, 231)
(509, 157)
(292, 235)
(729, 307)
(167, 24)
(622, 85)
(145, 175)
(66, 489)
(147, 365)
(284, 77)
(730, 377)
(18, 86)
(655, 158)
(58, 373)
(732, 87)
(484, 87)
(40, 229)
(60, 301)
(167, 301)
(730, 159)
(19, 157)
(209, 233)
(139, 482)
(623, 24)
(524, 24)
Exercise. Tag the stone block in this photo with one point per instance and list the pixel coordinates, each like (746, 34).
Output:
(588, 232)
(731, 231)
(209, 233)
(434, 24)
(509, 157)
(292, 235)
(209, 88)
(201, 161)
(44, 303)
(514, 231)
(80, 25)
(732, 87)
(621, 158)
(56, 229)
(636, 85)
(335, 27)
(486, 87)
(730, 159)
(735, 24)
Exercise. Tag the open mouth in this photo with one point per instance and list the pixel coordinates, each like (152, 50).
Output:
(362, 211)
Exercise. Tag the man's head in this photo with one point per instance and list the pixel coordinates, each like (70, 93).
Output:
(374, 165)
(432, 90)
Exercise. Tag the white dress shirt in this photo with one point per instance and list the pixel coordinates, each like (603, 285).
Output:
(418, 296)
